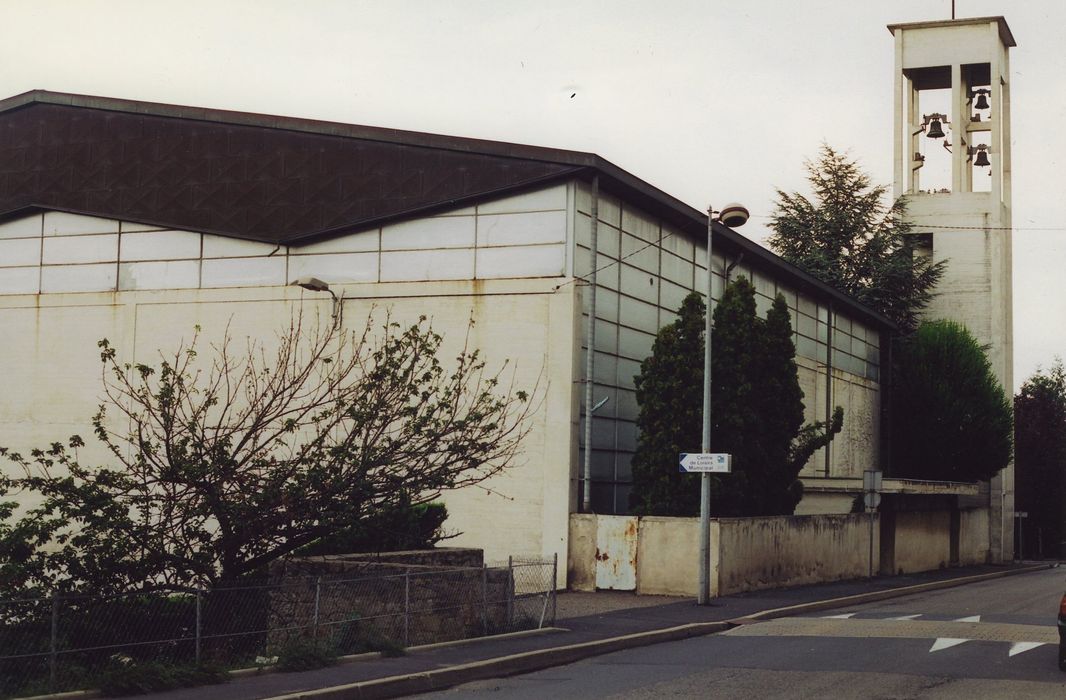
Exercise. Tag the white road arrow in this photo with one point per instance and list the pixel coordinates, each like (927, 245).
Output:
(845, 616)
(946, 643)
(972, 618)
(1019, 647)
(904, 617)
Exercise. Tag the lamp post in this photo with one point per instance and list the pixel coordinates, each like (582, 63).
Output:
(732, 215)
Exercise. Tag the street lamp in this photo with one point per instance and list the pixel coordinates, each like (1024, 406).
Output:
(732, 215)
(313, 284)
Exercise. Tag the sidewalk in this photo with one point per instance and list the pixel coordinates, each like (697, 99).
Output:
(587, 624)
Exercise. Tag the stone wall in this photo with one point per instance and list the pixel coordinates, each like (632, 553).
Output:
(367, 602)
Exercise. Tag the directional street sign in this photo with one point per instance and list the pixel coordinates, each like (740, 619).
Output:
(715, 462)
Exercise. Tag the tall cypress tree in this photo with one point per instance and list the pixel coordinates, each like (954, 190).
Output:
(757, 411)
(670, 394)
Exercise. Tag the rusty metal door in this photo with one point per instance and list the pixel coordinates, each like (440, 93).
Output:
(616, 552)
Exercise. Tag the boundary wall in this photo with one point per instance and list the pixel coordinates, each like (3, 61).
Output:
(654, 555)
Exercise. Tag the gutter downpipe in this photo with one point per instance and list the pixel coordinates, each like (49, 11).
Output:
(590, 353)
(828, 385)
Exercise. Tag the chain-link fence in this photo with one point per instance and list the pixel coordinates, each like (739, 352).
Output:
(66, 642)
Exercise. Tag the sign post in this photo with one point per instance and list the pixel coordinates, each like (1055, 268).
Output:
(871, 486)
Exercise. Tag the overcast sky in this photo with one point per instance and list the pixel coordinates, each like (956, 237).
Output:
(709, 100)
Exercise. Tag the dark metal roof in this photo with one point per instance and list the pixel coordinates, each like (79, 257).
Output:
(293, 181)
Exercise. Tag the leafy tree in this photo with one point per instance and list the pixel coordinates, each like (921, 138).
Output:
(757, 411)
(848, 238)
(951, 418)
(1040, 458)
(218, 468)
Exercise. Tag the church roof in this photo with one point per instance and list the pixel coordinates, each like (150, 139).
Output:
(291, 181)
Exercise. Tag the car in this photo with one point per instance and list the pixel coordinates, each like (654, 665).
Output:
(1062, 634)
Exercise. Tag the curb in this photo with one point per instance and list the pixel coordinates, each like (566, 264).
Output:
(527, 662)
(373, 655)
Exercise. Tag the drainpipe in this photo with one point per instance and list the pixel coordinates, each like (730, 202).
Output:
(590, 355)
(828, 383)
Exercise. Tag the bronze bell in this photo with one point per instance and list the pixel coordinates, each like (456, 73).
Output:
(982, 101)
(982, 158)
(936, 131)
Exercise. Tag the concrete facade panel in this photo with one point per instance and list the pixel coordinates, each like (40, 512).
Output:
(521, 261)
(434, 232)
(20, 252)
(159, 245)
(25, 227)
(80, 249)
(79, 278)
(243, 272)
(57, 223)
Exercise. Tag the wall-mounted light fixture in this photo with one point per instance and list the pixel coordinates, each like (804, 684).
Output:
(313, 284)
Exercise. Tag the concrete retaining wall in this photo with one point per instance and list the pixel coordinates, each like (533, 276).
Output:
(923, 541)
(758, 553)
(749, 554)
(746, 553)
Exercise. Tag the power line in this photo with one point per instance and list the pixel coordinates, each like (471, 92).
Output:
(577, 278)
(965, 228)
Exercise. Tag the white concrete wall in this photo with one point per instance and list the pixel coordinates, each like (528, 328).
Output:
(747, 554)
(67, 281)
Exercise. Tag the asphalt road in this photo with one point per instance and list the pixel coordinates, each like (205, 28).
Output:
(995, 639)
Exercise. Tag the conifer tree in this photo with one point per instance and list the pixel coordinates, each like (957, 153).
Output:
(757, 411)
(952, 420)
(670, 394)
(849, 238)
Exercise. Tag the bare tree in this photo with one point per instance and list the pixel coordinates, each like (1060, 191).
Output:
(227, 462)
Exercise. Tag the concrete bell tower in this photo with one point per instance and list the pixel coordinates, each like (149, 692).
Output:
(952, 162)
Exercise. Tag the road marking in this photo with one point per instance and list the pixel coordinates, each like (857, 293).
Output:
(845, 616)
(1019, 647)
(912, 629)
(904, 617)
(972, 618)
(946, 643)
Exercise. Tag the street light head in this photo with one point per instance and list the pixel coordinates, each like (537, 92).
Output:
(310, 283)
(733, 215)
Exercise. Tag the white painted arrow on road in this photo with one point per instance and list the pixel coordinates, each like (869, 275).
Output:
(946, 643)
(1019, 647)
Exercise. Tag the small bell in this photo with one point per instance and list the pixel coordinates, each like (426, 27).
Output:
(982, 101)
(936, 131)
(982, 158)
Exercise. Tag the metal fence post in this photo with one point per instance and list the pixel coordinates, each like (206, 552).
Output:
(510, 592)
(407, 607)
(555, 574)
(199, 622)
(484, 599)
(53, 645)
(318, 598)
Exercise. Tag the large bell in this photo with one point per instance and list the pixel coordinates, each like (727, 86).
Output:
(982, 101)
(936, 131)
(982, 158)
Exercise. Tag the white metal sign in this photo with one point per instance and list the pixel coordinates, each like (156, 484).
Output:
(714, 462)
